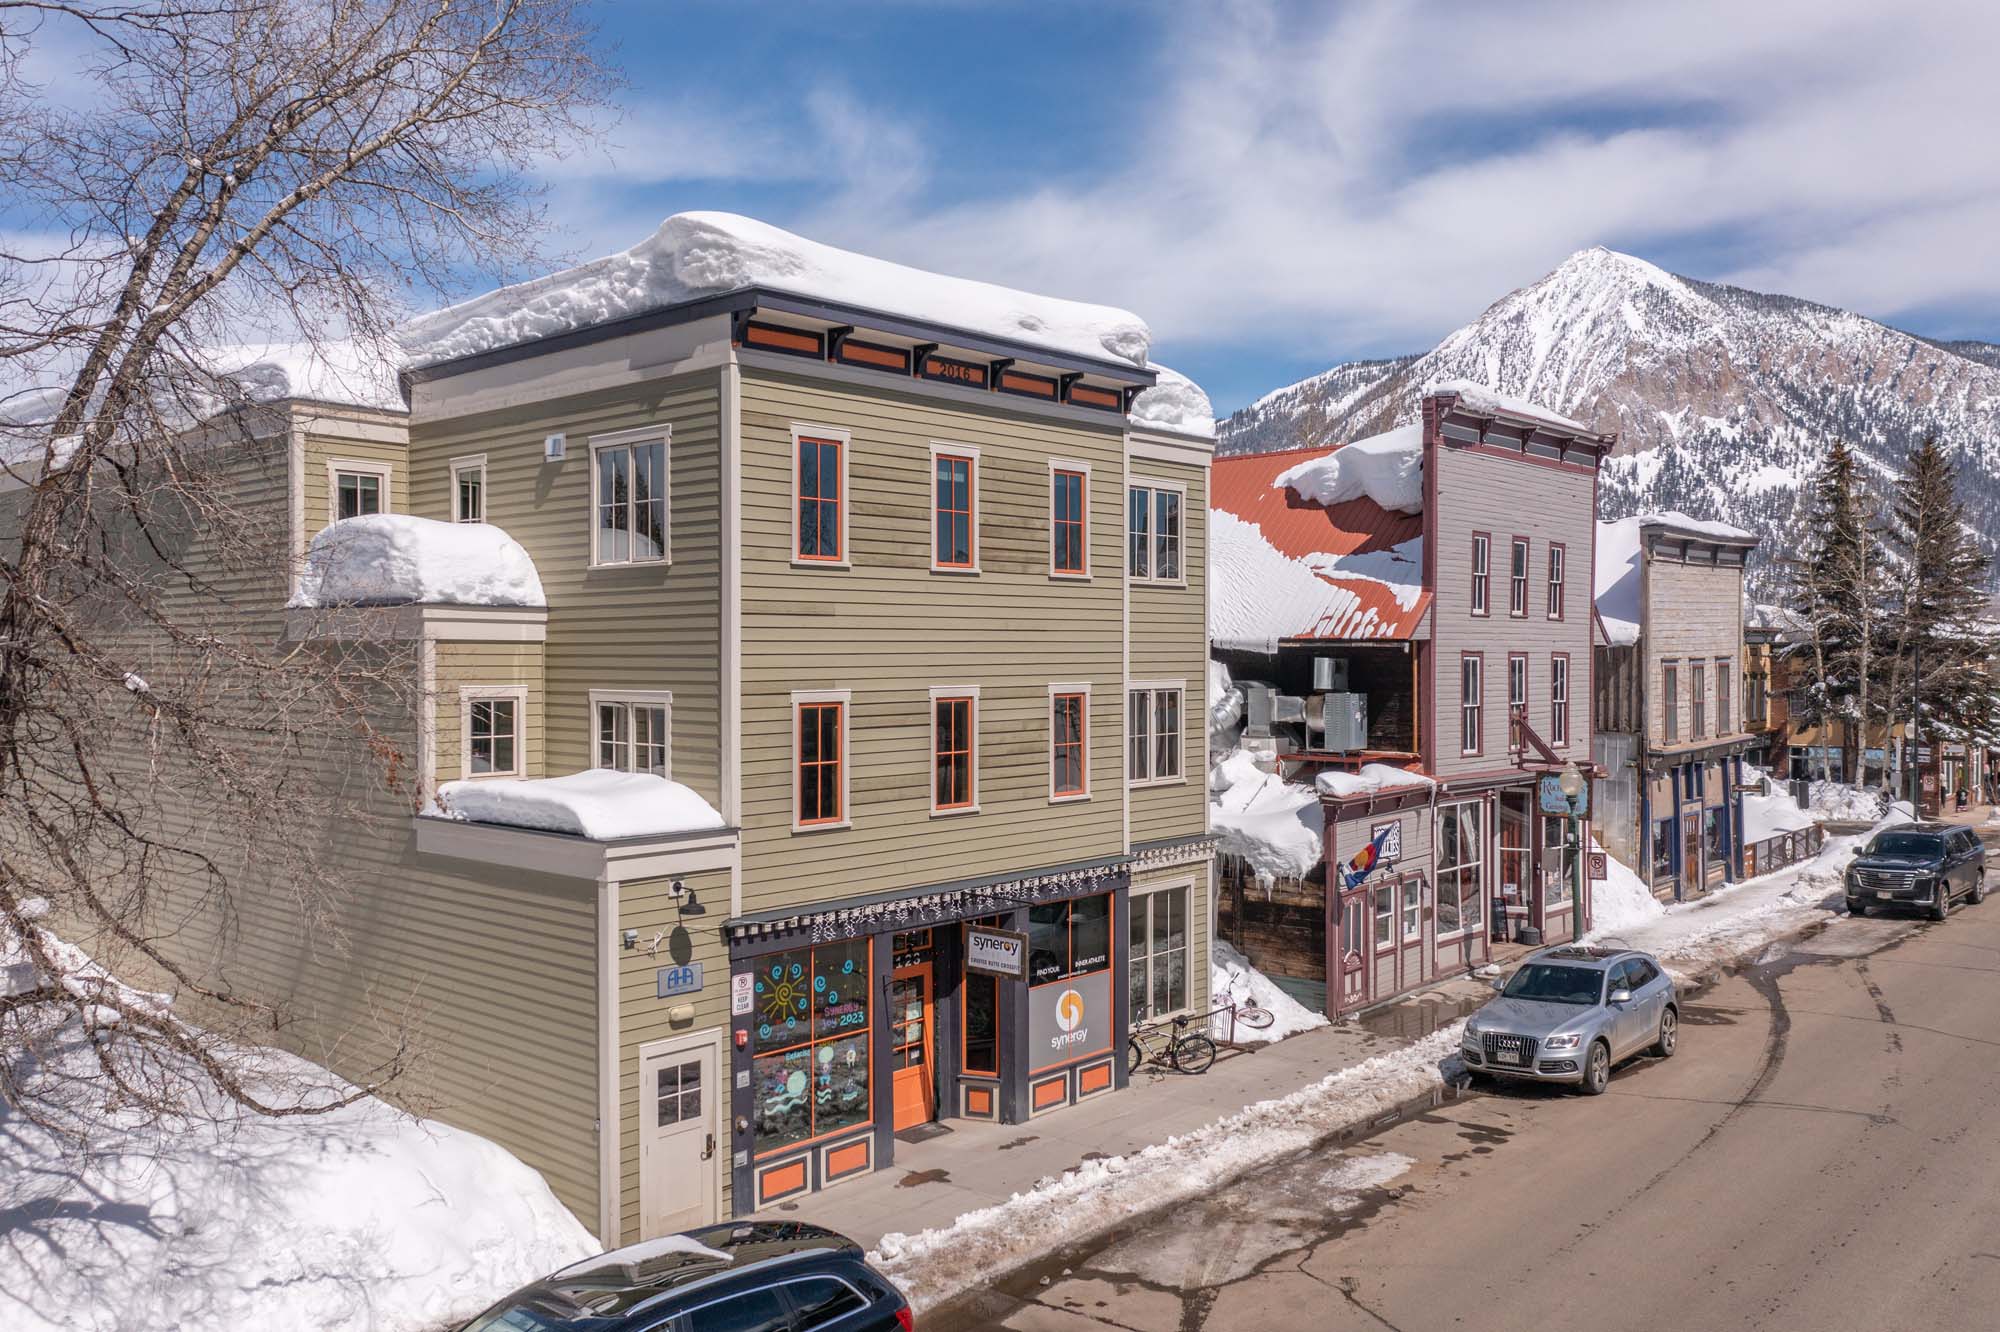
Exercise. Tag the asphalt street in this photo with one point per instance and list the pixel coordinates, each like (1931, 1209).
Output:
(1822, 1153)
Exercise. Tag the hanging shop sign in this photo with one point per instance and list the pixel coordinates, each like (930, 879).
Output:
(1069, 1019)
(997, 952)
(1553, 801)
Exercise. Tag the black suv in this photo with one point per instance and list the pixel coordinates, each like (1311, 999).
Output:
(1918, 864)
(751, 1276)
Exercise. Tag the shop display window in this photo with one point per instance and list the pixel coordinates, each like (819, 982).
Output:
(809, 1076)
(1068, 939)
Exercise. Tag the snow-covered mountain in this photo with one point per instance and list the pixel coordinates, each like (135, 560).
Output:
(1724, 399)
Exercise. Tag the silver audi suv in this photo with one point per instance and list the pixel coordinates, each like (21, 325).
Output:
(1570, 1013)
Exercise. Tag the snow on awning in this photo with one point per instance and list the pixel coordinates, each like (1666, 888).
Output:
(694, 255)
(1372, 779)
(599, 804)
(395, 559)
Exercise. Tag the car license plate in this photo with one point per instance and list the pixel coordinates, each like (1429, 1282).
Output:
(1508, 1055)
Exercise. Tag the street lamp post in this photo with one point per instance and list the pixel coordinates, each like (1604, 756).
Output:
(1570, 783)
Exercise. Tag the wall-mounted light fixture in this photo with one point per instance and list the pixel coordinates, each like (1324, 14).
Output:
(631, 938)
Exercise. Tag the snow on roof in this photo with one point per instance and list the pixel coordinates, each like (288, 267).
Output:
(1371, 779)
(341, 370)
(1480, 400)
(395, 559)
(703, 254)
(1618, 580)
(1386, 468)
(1174, 403)
(1262, 595)
(598, 803)
(1279, 827)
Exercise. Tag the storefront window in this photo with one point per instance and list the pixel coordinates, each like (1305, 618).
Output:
(1555, 863)
(1718, 842)
(809, 1076)
(1663, 849)
(1159, 953)
(1068, 939)
(1385, 913)
(1461, 852)
(982, 1014)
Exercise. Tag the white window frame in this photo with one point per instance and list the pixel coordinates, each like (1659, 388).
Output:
(1410, 905)
(803, 430)
(1437, 888)
(1152, 689)
(645, 698)
(949, 450)
(381, 471)
(930, 767)
(473, 462)
(1071, 575)
(844, 697)
(1137, 895)
(470, 694)
(1517, 659)
(1152, 488)
(1049, 758)
(1524, 581)
(627, 439)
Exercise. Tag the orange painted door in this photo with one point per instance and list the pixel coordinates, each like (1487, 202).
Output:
(913, 1082)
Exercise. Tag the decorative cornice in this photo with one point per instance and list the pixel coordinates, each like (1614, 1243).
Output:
(1189, 852)
(930, 906)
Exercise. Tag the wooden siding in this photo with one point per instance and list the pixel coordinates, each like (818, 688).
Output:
(647, 906)
(889, 629)
(323, 446)
(1198, 878)
(650, 627)
(462, 665)
(1509, 497)
(1170, 642)
(1693, 615)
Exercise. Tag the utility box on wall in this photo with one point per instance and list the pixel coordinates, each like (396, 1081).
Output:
(1342, 721)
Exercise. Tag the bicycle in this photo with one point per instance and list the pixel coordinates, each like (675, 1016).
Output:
(1185, 1051)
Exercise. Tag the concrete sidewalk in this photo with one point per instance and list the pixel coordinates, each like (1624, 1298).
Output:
(977, 1164)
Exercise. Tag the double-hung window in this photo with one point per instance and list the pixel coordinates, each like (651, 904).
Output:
(1069, 537)
(1069, 742)
(1670, 701)
(1153, 733)
(632, 731)
(1471, 703)
(629, 494)
(1724, 675)
(820, 480)
(359, 488)
(1517, 578)
(1482, 576)
(954, 510)
(954, 745)
(1159, 953)
(819, 742)
(491, 720)
(1559, 698)
(1153, 522)
(468, 489)
(1517, 681)
(1556, 574)
(1698, 700)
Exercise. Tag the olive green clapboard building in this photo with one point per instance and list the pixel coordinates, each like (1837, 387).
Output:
(919, 611)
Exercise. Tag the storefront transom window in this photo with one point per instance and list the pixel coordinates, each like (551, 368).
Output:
(809, 1076)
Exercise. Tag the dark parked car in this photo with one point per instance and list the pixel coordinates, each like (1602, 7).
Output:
(1918, 864)
(750, 1276)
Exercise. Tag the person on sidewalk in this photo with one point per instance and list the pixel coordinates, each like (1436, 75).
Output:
(1961, 800)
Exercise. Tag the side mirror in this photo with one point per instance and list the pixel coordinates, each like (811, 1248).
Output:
(1620, 997)
(1497, 984)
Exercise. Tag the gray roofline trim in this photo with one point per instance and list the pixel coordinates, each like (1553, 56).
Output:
(767, 298)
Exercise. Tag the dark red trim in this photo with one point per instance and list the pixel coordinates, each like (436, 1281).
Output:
(1569, 699)
(1573, 468)
(1555, 547)
(1478, 578)
(1526, 545)
(1480, 732)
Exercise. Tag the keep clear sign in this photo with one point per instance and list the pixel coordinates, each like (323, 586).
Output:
(999, 952)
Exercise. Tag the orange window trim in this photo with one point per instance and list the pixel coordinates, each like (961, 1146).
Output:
(827, 496)
(815, 715)
(867, 1057)
(1067, 703)
(1079, 525)
(942, 506)
(952, 737)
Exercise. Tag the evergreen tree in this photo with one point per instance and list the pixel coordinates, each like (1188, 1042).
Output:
(1835, 594)
(1943, 657)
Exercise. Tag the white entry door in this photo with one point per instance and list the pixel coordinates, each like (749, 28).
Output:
(680, 1158)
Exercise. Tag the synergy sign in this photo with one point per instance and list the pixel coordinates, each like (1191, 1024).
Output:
(997, 952)
(1069, 1019)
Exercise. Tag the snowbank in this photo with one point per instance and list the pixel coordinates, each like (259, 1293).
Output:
(1621, 900)
(597, 803)
(1387, 468)
(1279, 827)
(363, 1219)
(1372, 778)
(1841, 803)
(1175, 403)
(1231, 979)
(1262, 595)
(1773, 812)
(937, 1264)
(1480, 400)
(701, 254)
(393, 559)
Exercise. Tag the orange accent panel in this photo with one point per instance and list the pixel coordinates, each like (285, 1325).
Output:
(1093, 1079)
(1053, 1092)
(1094, 397)
(779, 1181)
(1034, 384)
(979, 1100)
(846, 1160)
(763, 336)
(868, 355)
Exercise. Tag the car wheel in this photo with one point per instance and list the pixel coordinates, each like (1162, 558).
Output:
(1670, 1033)
(1942, 906)
(1597, 1069)
(1855, 908)
(1978, 889)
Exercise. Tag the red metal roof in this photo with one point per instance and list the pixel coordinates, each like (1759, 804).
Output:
(1246, 486)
